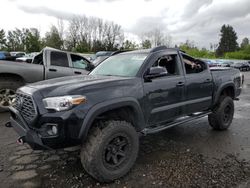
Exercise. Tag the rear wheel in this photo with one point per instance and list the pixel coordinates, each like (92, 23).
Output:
(222, 116)
(111, 151)
(8, 87)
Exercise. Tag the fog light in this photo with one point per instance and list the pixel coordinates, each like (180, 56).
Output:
(52, 130)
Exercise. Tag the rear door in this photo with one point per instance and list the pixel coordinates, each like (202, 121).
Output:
(199, 85)
(79, 64)
(58, 65)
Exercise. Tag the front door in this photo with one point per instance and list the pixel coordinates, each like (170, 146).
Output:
(164, 95)
(79, 64)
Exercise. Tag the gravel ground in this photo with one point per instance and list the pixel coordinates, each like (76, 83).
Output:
(192, 155)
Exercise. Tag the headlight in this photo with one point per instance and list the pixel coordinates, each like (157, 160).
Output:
(63, 103)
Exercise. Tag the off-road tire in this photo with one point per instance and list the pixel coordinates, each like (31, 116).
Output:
(9, 83)
(94, 150)
(222, 116)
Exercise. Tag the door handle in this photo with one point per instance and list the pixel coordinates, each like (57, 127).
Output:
(180, 84)
(76, 72)
(52, 70)
(207, 80)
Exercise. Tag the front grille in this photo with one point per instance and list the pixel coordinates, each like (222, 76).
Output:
(26, 107)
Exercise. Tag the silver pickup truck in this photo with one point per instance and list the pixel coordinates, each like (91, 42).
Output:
(50, 63)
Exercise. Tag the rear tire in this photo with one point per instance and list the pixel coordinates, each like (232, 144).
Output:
(110, 152)
(8, 87)
(222, 116)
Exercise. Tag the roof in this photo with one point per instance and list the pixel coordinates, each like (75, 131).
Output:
(152, 50)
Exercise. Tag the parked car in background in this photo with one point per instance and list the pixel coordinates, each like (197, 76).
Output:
(27, 58)
(17, 54)
(211, 63)
(227, 64)
(49, 63)
(242, 66)
(104, 55)
(6, 56)
(101, 55)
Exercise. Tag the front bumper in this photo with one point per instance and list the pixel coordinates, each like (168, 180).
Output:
(37, 138)
(22, 129)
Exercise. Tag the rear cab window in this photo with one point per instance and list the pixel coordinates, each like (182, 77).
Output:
(59, 59)
(192, 65)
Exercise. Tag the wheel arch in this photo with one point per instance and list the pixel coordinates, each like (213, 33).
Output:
(15, 76)
(113, 105)
(228, 90)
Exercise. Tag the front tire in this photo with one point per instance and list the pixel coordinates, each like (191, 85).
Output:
(8, 87)
(222, 116)
(111, 151)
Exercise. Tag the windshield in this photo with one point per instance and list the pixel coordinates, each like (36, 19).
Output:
(120, 65)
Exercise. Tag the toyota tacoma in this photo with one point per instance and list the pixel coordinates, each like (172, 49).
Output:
(128, 95)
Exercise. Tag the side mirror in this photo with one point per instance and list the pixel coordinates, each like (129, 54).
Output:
(155, 72)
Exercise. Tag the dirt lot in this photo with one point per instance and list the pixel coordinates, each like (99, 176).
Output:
(192, 155)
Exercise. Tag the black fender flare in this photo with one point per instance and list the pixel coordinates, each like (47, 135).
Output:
(218, 93)
(111, 105)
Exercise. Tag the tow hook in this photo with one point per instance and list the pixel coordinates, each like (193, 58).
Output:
(20, 140)
(8, 124)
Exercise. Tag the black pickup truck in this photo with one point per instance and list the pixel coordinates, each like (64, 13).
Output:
(50, 63)
(130, 94)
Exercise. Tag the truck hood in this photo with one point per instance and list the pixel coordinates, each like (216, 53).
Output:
(76, 84)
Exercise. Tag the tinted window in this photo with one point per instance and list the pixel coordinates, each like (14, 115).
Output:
(170, 63)
(38, 59)
(193, 65)
(59, 59)
(78, 62)
(20, 54)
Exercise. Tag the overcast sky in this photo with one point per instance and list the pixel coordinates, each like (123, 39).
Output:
(197, 20)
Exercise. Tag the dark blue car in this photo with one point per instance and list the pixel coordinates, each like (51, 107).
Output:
(5, 55)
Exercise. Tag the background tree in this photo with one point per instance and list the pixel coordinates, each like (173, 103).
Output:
(228, 40)
(53, 39)
(146, 44)
(33, 40)
(16, 40)
(129, 45)
(244, 43)
(190, 48)
(2, 40)
(156, 37)
(90, 34)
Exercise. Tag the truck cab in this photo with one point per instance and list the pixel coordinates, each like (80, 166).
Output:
(56, 63)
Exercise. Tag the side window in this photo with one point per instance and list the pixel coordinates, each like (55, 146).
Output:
(193, 66)
(38, 59)
(170, 63)
(78, 62)
(59, 59)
